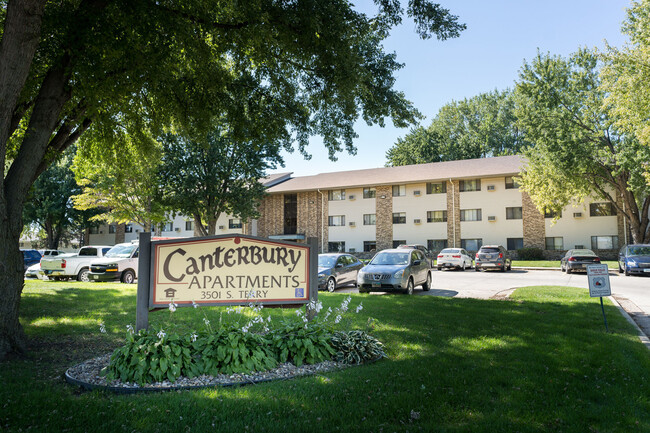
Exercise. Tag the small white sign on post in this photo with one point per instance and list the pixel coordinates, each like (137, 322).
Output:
(598, 276)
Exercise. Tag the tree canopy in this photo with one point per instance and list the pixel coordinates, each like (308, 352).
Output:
(70, 66)
(478, 127)
(577, 150)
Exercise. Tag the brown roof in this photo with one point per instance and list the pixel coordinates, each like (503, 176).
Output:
(436, 171)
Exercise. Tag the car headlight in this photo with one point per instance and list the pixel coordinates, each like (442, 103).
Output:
(399, 273)
(632, 263)
(361, 275)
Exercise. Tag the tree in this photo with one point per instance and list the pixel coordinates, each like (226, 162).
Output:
(478, 127)
(122, 181)
(626, 75)
(213, 176)
(577, 152)
(49, 204)
(68, 66)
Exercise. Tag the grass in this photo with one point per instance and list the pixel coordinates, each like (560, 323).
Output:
(541, 361)
(612, 264)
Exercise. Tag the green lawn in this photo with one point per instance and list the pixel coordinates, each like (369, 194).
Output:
(537, 363)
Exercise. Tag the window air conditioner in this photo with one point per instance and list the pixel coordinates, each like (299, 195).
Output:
(492, 218)
(416, 193)
(222, 227)
(178, 229)
(577, 214)
(491, 188)
(417, 221)
(351, 197)
(352, 224)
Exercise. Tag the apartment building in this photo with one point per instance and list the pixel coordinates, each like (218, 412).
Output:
(465, 204)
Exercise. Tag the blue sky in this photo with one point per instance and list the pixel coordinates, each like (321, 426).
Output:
(500, 35)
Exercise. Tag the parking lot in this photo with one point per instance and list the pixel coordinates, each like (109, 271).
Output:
(488, 284)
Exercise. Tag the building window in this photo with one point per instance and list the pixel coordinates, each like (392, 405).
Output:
(168, 227)
(470, 185)
(552, 214)
(111, 228)
(399, 190)
(336, 220)
(369, 219)
(398, 243)
(399, 218)
(234, 223)
(128, 228)
(436, 187)
(604, 242)
(336, 194)
(470, 215)
(189, 225)
(436, 244)
(336, 247)
(369, 192)
(555, 243)
(93, 230)
(369, 246)
(511, 183)
(437, 216)
(513, 213)
(471, 244)
(515, 243)
(601, 209)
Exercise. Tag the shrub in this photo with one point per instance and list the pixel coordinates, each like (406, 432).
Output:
(530, 253)
(356, 347)
(302, 343)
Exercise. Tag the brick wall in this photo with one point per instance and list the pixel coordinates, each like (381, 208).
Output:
(384, 217)
(453, 214)
(534, 225)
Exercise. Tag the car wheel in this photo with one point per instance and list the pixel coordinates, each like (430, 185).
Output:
(568, 270)
(503, 268)
(561, 267)
(463, 267)
(128, 277)
(477, 269)
(510, 266)
(426, 286)
(83, 275)
(627, 271)
(409, 287)
(439, 268)
(331, 284)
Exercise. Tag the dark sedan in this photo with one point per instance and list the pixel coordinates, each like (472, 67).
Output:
(634, 259)
(578, 260)
(335, 270)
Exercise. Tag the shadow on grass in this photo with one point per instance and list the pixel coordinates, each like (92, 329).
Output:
(540, 362)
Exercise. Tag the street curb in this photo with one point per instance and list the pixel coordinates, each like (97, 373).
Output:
(642, 336)
(526, 268)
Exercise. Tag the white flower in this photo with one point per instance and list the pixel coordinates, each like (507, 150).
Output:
(129, 329)
(193, 337)
(102, 328)
(298, 313)
(172, 306)
(206, 321)
(338, 319)
(161, 334)
(195, 305)
(360, 307)
(269, 319)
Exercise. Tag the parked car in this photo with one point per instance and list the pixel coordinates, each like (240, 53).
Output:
(456, 258)
(119, 263)
(30, 257)
(65, 266)
(395, 269)
(428, 254)
(335, 270)
(577, 260)
(48, 253)
(33, 271)
(492, 256)
(634, 259)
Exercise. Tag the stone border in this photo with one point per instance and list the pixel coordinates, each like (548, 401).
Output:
(284, 371)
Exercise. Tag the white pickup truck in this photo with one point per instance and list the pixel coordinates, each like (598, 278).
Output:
(120, 263)
(66, 266)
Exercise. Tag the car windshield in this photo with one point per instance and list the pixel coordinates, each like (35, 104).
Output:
(121, 251)
(390, 259)
(326, 261)
(583, 253)
(639, 251)
(449, 251)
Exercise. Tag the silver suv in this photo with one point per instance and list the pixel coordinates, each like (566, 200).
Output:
(492, 256)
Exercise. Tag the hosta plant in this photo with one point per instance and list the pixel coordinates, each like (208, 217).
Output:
(356, 347)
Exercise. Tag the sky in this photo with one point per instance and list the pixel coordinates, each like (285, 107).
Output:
(488, 55)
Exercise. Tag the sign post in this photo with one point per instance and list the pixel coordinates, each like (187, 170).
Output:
(225, 270)
(598, 277)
